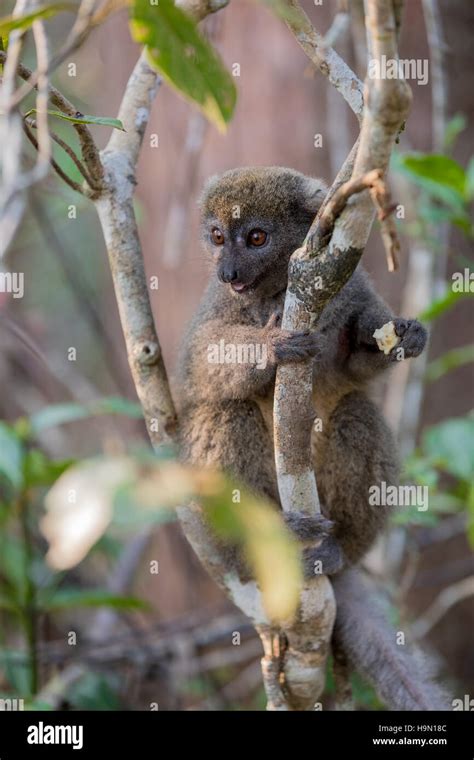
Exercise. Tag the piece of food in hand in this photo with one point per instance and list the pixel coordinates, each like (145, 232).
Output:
(386, 337)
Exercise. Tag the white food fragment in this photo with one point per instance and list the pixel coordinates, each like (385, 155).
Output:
(386, 337)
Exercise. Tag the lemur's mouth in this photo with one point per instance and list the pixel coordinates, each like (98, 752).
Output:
(240, 287)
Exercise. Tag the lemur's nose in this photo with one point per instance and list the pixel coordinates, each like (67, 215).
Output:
(229, 274)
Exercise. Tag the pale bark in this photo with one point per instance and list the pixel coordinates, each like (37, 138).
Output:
(334, 260)
(329, 63)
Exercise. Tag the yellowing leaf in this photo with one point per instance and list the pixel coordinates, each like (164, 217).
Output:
(186, 60)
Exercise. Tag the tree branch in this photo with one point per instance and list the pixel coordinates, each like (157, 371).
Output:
(326, 59)
(386, 106)
(89, 150)
(72, 184)
(14, 181)
(116, 213)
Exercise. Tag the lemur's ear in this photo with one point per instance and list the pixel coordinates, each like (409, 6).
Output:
(314, 192)
(209, 186)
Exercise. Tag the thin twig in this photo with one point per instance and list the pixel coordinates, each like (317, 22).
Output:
(325, 58)
(72, 183)
(67, 149)
(339, 199)
(82, 25)
(443, 602)
(340, 25)
(90, 153)
(14, 182)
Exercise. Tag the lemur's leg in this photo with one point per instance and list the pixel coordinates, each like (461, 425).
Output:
(357, 452)
(233, 437)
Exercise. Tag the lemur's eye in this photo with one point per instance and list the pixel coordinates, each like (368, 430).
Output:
(217, 236)
(257, 238)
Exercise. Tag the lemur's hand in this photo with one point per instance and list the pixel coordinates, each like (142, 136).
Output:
(413, 337)
(288, 346)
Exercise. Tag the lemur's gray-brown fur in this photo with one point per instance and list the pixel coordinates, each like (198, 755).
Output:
(226, 408)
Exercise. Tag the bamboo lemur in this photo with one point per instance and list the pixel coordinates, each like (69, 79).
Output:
(252, 221)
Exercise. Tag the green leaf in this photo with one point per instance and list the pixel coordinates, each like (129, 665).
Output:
(442, 304)
(60, 414)
(11, 456)
(454, 127)
(17, 671)
(178, 51)
(441, 177)
(436, 168)
(80, 118)
(364, 694)
(3, 46)
(470, 179)
(95, 691)
(446, 503)
(449, 361)
(70, 598)
(10, 23)
(6, 603)
(420, 470)
(470, 515)
(13, 561)
(57, 414)
(36, 705)
(41, 471)
(118, 405)
(412, 516)
(452, 444)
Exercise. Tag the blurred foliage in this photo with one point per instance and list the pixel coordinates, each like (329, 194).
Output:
(447, 190)
(95, 691)
(444, 461)
(109, 494)
(176, 48)
(445, 449)
(9, 23)
(124, 492)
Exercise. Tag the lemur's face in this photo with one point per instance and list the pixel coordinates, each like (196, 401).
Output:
(253, 220)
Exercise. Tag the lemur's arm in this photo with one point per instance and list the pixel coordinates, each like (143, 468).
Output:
(215, 375)
(366, 359)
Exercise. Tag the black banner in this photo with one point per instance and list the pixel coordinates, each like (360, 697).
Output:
(134, 734)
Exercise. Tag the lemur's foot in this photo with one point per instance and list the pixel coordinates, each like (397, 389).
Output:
(326, 557)
(308, 527)
(412, 336)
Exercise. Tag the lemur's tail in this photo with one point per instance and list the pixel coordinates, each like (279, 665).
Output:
(400, 678)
